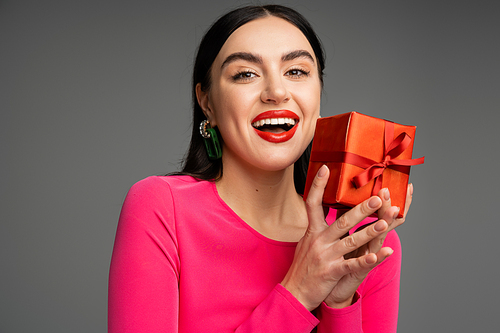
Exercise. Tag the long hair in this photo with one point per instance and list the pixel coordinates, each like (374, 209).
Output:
(196, 162)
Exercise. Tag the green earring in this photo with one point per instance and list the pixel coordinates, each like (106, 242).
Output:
(212, 144)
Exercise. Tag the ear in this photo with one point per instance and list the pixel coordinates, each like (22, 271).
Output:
(204, 102)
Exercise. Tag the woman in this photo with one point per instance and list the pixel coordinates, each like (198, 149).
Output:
(229, 245)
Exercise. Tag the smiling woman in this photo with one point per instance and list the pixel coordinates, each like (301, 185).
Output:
(228, 244)
(265, 66)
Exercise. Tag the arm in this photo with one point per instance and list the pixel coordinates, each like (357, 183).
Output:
(143, 287)
(380, 300)
(280, 312)
(144, 274)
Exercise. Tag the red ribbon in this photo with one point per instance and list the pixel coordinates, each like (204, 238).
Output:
(373, 169)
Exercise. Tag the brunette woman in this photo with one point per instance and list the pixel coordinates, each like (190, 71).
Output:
(228, 244)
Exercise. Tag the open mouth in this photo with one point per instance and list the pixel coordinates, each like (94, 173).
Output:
(274, 125)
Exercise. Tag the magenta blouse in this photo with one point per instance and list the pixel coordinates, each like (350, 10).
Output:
(183, 261)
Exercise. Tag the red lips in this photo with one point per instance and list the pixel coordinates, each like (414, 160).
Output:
(277, 137)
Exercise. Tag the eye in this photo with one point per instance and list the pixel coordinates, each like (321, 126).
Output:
(297, 73)
(244, 76)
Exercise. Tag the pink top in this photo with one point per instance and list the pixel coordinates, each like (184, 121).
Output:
(183, 261)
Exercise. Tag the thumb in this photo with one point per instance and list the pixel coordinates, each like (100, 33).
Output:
(314, 201)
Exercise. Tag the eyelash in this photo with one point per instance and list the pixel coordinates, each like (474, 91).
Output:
(242, 75)
(303, 72)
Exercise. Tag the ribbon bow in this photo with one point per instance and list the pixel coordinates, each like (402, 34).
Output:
(373, 169)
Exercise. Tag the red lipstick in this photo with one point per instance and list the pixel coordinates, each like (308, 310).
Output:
(276, 114)
(277, 137)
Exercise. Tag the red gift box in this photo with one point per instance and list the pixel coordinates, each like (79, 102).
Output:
(364, 154)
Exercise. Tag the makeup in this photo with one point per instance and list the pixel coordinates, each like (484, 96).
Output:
(284, 121)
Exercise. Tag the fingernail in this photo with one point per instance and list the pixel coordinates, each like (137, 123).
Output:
(379, 226)
(396, 213)
(387, 194)
(373, 202)
(371, 260)
(322, 171)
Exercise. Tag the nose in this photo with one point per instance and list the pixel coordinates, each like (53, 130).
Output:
(275, 91)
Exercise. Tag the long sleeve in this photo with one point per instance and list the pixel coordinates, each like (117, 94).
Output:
(377, 304)
(167, 276)
(143, 278)
(184, 262)
(279, 312)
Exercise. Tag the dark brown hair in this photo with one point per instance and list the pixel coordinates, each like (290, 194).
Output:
(196, 162)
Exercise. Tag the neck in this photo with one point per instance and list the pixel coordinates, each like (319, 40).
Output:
(266, 200)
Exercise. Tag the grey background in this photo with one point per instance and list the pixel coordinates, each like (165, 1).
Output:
(94, 96)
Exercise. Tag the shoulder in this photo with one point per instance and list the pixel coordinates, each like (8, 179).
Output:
(159, 182)
(163, 191)
(162, 184)
(158, 202)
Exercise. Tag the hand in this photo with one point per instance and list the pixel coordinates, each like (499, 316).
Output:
(388, 214)
(319, 269)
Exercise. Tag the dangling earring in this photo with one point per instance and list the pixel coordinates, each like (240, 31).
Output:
(212, 144)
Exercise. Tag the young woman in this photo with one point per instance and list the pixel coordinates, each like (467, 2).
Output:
(229, 244)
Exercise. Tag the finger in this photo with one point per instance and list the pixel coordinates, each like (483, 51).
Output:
(339, 213)
(366, 225)
(369, 261)
(315, 199)
(354, 271)
(390, 215)
(352, 217)
(409, 198)
(385, 196)
(387, 212)
(358, 268)
(359, 239)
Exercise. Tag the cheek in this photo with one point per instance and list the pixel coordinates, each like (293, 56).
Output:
(311, 101)
(232, 104)
(311, 108)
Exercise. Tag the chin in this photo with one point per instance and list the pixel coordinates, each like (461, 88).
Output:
(278, 163)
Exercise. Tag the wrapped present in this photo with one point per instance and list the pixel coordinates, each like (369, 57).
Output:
(364, 154)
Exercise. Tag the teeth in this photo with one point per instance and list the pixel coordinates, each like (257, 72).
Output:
(274, 121)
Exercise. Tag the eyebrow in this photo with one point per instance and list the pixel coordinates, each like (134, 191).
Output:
(242, 56)
(258, 59)
(297, 54)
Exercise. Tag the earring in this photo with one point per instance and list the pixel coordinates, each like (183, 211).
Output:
(212, 144)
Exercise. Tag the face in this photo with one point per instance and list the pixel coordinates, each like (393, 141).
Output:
(264, 95)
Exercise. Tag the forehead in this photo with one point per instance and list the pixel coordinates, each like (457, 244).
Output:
(269, 36)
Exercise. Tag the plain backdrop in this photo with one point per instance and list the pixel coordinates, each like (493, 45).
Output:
(95, 95)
